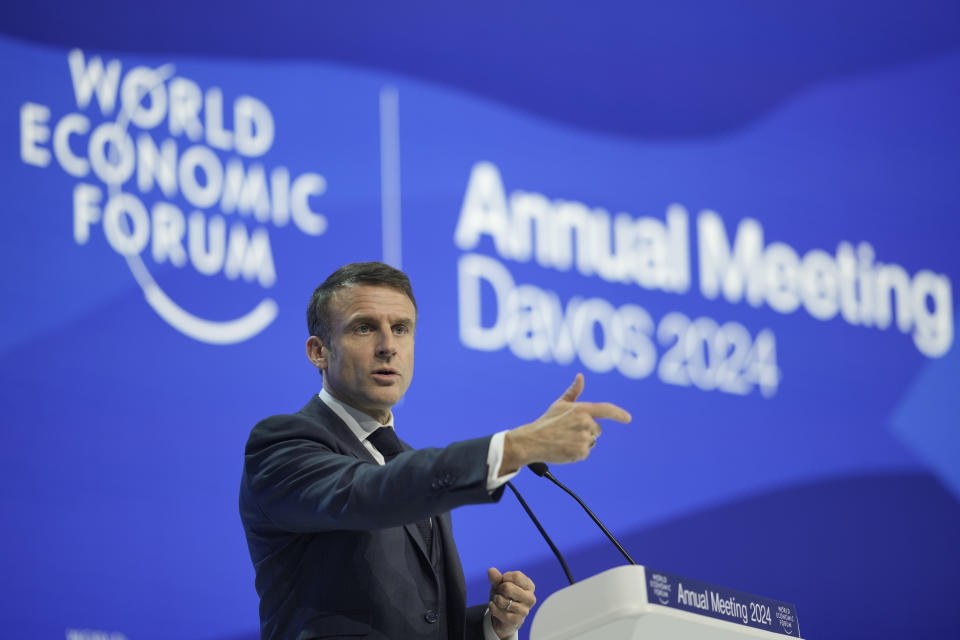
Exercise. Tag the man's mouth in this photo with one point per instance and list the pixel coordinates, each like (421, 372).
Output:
(386, 374)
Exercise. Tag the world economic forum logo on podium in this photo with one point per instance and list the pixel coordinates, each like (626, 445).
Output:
(787, 619)
(164, 175)
(660, 587)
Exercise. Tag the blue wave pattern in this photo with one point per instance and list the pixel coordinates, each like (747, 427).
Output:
(861, 556)
(824, 122)
(663, 70)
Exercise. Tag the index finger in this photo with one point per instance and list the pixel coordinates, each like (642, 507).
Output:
(519, 579)
(607, 410)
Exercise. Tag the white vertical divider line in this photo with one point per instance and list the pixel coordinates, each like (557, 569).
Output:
(390, 176)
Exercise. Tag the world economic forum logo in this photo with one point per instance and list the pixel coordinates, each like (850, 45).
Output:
(173, 177)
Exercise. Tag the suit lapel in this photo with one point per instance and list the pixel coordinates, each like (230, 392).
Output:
(418, 541)
(414, 532)
(318, 411)
(453, 575)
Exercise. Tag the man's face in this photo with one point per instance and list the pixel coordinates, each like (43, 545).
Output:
(369, 361)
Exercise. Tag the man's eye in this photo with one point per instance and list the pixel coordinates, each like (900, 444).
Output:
(362, 328)
(401, 329)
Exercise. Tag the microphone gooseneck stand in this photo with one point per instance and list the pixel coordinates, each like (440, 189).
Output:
(553, 547)
(542, 470)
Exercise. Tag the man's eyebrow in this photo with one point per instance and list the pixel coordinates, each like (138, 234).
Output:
(364, 318)
(360, 319)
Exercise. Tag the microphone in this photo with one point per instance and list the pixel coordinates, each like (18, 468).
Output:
(556, 552)
(542, 470)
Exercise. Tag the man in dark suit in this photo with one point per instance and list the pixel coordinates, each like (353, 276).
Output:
(348, 528)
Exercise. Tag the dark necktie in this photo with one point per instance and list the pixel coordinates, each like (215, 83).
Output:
(388, 444)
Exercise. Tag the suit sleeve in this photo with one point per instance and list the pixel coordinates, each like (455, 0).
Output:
(474, 622)
(301, 483)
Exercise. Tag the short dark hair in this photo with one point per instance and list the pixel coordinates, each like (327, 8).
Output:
(372, 273)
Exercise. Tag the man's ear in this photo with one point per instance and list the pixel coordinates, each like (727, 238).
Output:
(317, 353)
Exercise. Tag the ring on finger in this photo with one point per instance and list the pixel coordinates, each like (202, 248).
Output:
(509, 604)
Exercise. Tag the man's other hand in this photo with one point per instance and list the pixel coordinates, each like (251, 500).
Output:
(511, 598)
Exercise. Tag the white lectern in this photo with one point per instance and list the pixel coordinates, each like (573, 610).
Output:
(635, 602)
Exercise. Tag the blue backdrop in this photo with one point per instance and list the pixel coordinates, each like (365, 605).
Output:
(737, 219)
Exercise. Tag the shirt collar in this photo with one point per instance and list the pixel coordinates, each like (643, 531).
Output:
(361, 424)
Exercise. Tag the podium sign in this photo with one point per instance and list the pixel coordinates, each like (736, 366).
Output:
(640, 602)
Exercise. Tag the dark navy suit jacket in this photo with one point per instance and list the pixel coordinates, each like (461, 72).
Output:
(333, 538)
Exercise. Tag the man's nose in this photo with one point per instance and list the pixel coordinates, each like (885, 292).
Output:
(386, 347)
